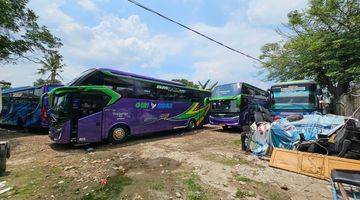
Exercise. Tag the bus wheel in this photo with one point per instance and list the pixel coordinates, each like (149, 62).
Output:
(118, 134)
(20, 122)
(225, 128)
(191, 125)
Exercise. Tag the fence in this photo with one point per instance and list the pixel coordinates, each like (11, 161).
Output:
(348, 103)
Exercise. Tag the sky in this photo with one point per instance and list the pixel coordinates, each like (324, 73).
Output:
(122, 36)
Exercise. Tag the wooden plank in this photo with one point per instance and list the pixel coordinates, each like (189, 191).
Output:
(310, 164)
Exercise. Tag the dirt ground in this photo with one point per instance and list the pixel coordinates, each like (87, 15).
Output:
(203, 164)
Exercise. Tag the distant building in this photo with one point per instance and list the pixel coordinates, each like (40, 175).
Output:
(2, 84)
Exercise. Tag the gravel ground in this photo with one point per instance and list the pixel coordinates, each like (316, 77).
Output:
(203, 164)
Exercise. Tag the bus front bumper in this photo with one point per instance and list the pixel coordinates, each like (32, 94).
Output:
(60, 135)
(224, 121)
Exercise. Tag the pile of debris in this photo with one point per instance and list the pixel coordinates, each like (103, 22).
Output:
(315, 133)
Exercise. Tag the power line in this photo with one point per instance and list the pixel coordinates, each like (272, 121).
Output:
(195, 31)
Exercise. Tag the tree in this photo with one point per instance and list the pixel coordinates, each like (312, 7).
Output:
(41, 82)
(5, 85)
(187, 83)
(204, 85)
(20, 33)
(51, 64)
(321, 43)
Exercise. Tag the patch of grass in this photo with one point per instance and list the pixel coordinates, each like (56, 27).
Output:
(223, 159)
(195, 191)
(275, 196)
(241, 178)
(157, 186)
(241, 193)
(270, 191)
(112, 190)
(236, 142)
(30, 182)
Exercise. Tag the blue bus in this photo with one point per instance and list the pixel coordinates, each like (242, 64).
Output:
(22, 107)
(295, 97)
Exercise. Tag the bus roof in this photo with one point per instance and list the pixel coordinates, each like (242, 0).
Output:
(173, 83)
(243, 83)
(18, 89)
(294, 82)
(138, 76)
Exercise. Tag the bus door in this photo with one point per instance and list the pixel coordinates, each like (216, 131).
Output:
(88, 116)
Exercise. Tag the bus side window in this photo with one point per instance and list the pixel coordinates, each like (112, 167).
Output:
(92, 102)
(123, 86)
(244, 102)
(145, 90)
(38, 92)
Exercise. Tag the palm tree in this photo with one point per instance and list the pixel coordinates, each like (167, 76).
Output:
(52, 64)
(204, 85)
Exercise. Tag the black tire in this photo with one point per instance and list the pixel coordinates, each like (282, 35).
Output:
(191, 125)
(20, 122)
(118, 134)
(225, 128)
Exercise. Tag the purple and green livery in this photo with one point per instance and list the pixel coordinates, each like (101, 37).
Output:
(109, 105)
(233, 105)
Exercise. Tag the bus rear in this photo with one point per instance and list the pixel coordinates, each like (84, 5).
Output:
(233, 105)
(22, 106)
(296, 97)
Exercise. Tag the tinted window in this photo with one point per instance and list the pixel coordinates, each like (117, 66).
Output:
(90, 103)
(226, 90)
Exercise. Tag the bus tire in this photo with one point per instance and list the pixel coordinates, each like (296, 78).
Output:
(191, 125)
(20, 122)
(225, 128)
(118, 134)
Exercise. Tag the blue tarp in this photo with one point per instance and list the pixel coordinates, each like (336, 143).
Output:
(283, 133)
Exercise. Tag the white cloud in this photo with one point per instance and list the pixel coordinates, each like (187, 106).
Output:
(217, 63)
(87, 4)
(272, 11)
(114, 41)
(118, 41)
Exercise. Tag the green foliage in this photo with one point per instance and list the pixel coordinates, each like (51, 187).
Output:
(204, 85)
(321, 43)
(41, 82)
(5, 85)
(20, 33)
(158, 186)
(195, 190)
(240, 193)
(187, 83)
(241, 178)
(51, 64)
(111, 190)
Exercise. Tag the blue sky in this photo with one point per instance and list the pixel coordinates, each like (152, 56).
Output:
(120, 35)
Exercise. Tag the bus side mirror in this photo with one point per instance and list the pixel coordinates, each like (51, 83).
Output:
(206, 100)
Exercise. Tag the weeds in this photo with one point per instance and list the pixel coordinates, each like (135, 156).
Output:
(241, 178)
(240, 193)
(157, 186)
(195, 191)
(111, 190)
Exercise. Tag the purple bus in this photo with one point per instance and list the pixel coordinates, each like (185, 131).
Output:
(109, 105)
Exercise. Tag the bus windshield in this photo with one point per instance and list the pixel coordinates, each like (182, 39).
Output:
(291, 100)
(294, 94)
(227, 90)
(81, 77)
(60, 107)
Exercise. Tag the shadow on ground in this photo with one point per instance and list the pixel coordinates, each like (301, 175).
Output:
(134, 140)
